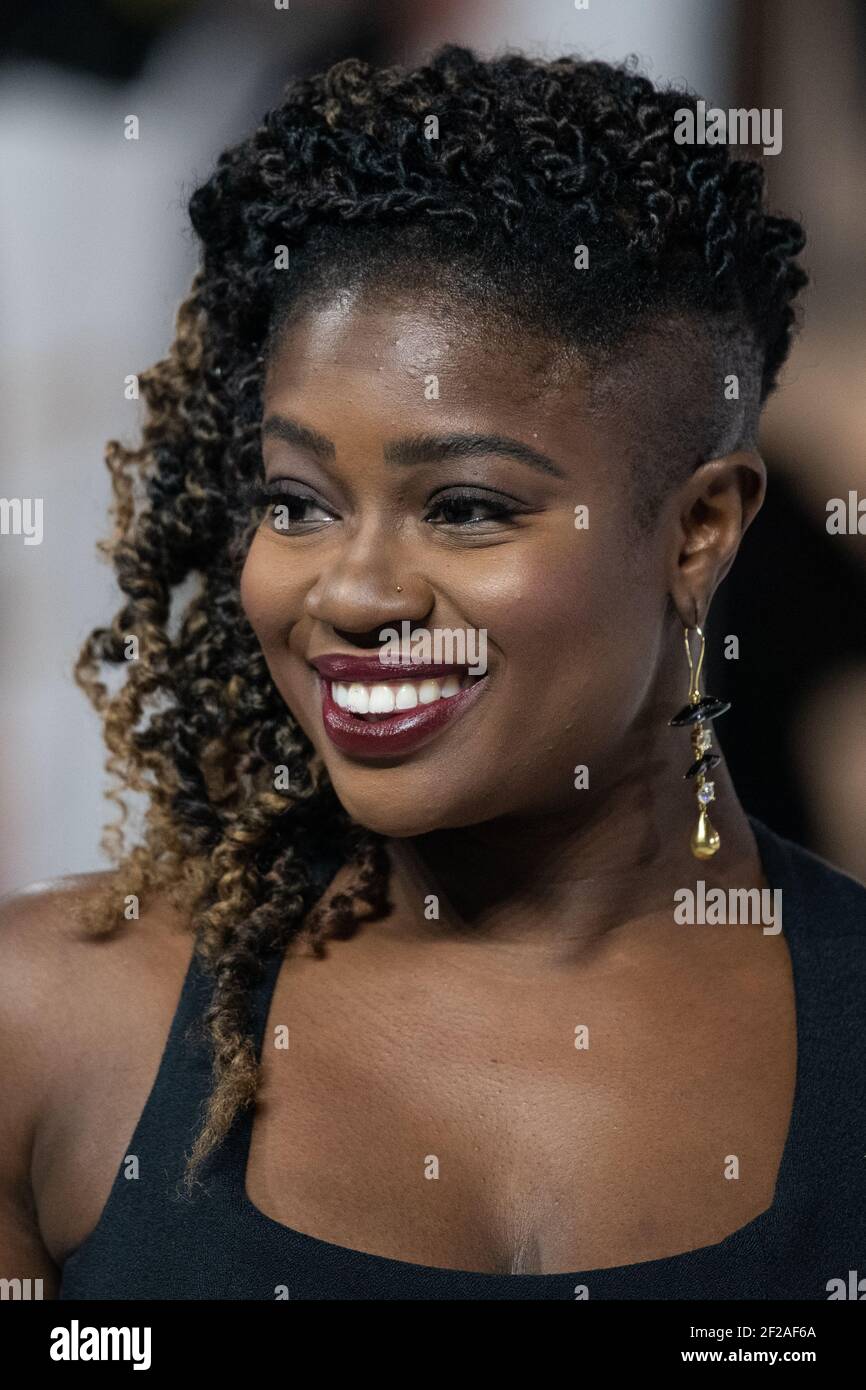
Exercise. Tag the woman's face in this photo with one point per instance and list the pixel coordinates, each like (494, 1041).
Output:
(395, 504)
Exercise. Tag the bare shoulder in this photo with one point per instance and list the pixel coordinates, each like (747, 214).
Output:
(43, 938)
(61, 985)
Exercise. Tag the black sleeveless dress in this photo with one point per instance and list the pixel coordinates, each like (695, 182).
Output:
(152, 1242)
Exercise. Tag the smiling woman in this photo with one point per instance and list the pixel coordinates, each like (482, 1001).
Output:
(496, 1061)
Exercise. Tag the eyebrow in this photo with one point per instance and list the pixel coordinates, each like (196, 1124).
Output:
(416, 449)
(292, 432)
(439, 448)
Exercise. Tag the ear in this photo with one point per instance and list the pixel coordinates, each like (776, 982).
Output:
(710, 514)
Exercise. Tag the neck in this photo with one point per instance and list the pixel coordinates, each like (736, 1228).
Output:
(567, 879)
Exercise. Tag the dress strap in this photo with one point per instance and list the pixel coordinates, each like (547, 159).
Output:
(231, 1157)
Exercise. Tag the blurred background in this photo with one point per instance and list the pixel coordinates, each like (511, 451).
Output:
(95, 254)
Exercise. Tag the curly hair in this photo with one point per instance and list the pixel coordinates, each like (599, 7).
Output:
(349, 177)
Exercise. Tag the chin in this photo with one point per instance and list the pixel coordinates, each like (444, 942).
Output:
(402, 817)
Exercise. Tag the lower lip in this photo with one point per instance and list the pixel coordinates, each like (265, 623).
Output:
(401, 732)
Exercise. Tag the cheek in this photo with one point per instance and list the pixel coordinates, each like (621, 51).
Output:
(272, 598)
(269, 597)
(569, 596)
(578, 623)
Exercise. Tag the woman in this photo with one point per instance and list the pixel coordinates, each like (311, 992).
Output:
(456, 442)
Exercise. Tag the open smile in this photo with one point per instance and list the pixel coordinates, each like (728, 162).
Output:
(382, 717)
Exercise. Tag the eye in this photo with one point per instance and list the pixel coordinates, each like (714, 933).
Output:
(287, 509)
(472, 509)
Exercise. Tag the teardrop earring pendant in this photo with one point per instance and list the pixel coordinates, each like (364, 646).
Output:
(700, 711)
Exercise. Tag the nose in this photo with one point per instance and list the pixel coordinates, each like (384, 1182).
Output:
(366, 588)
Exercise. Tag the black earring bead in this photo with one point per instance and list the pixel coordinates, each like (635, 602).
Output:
(703, 765)
(705, 709)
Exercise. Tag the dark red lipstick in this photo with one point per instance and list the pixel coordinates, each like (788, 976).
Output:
(340, 667)
(401, 731)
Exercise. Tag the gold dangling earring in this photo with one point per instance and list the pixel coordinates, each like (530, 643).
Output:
(699, 711)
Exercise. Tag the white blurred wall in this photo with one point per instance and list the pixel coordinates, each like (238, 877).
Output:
(676, 40)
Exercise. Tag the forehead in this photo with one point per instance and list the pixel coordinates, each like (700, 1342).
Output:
(369, 346)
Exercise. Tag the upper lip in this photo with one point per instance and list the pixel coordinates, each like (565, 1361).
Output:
(340, 666)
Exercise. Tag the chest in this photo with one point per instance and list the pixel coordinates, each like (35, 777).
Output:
(572, 1123)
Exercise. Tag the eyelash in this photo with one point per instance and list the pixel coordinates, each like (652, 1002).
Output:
(269, 495)
(498, 507)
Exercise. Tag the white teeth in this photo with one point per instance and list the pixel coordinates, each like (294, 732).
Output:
(407, 696)
(381, 699)
(358, 698)
(386, 696)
